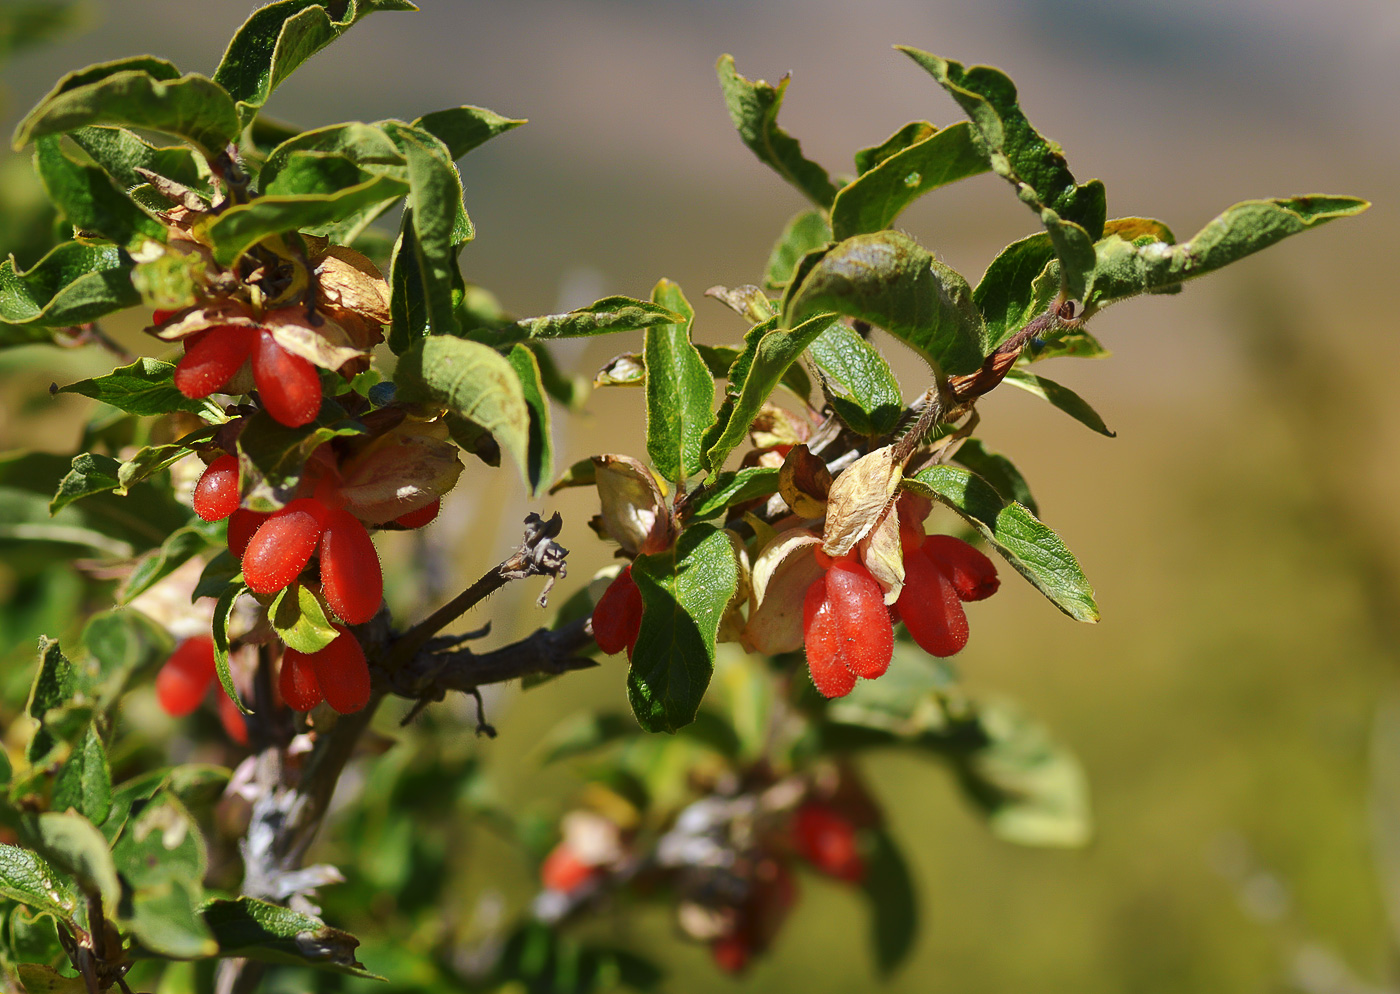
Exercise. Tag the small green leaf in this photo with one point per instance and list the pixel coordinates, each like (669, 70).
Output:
(805, 233)
(684, 593)
(165, 921)
(74, 283)
(889, 280)
(84, 782)
(254, 929)
(218, 573)
(277, 39)
(92, 473)
(1032, 549)
(142, 93)
(602, 317)
(1017, 287)
(727, 489)
(272, 457)
(873, 201)
(408, 300)
(912, 133)
(680, 390)
(473, 381)
(894, 902)
(145, 387)
(120, 642)
(27, 878)
(72, 845)
(857, 380)
(223, 610)
(1126, 267)
(753, 107)
(300, 620)
(997, 470)
(121, 153)
(161, 843)
(1059, 396)
(90, 200)
(151, 459)
(55, 702)
(462, 129)
(539, 469)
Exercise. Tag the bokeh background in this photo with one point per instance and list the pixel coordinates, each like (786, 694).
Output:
(1236, 709)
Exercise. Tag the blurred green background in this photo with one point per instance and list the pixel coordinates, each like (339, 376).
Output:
(1242, 529)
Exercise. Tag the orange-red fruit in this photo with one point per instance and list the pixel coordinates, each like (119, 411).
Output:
(420, 517)
(216, 493)
(351, 577)
(846, 628)
(973, 575)
(930, 608)
(821, 636)
(297, 681)
(242, 525)
(827, 840)
(342, 673)
(184, 679)
(282, 545)
(288, 385)
(563, 871)
(234, 725)
(210, 362)
(617, 618)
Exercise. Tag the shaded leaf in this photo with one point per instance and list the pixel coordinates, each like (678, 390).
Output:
(728, 489)
(121, 153)
(92, 473)
(74, 283)
(894, 902)
(1059, 396)
(72, 845)
(997, 470)
(120, 643)
(84, 782)
(857, 380)
(272, 456)
(585, 732)
(462, 129)
(145, 387)
(90, 200)
(679, 388)
(223, 610)
(539, 463)
(1017, 287)
(257, 930)
(805, 233)
(602, 317)
(55, 703)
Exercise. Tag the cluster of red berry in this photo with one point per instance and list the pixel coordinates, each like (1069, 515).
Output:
(288, 385)
(184, 681)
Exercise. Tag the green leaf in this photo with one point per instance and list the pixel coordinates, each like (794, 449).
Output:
(72, 845)
(90, 200)
(768, 352)
(1127, 267)
(142, 93)
(72, 284)
(805, 233)
(857, 380)
(277, 39)
(585, 732)
(84, 783)
(218, 573)
(912, 133)
(300, 620)
(410, 319)
(223, 610)
(121, 153)
(727, 489)
(256, 930)
(462, 129)
(539, 468)
(165, 921)
(1032, 549)
(92, 473)
(151, 459)
(40, 978)
(680, 390)
(55, 703)
(27, 878)
(997, 470)
(684, 593)
(873, 201)
(120, 642)
(145, 387)
(894, 902)
(272, 457)
(1059, 396)
(473, 381)
(753, 107)
(890, 281)
(1017, 287)
(162, 858)
(602, 317)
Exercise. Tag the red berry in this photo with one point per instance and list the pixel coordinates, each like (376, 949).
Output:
(973, 575)
(731, 952)
(242, 525)
(234, 725)
(184, 679)
(865, 622)
(827, 840)
(563, 871)
(289, 386)
(617, 618)
(821, 635)
(351, 577)
(209, 363)
(160, 317)
(930, 608)
(297, 681)
(420, 517)
(216, 494)
(282, 546)
(343, 673)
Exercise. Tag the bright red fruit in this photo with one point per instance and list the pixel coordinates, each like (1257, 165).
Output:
(973, 575)
(297, 681)
(351, 577)
(210, 362)
(216, 493)
(846, 628)
(821, 636)
(234, 725)
(342, 673)
(282, 545)
(289, 386)
(184, 679)
(420, 517)
(562, 870)
(242, 525)
(617, 618)
(827, 839)
(930, 608)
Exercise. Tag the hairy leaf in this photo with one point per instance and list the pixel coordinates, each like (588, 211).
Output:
(602, 317)
(121, 153)
(728, 489)
(805, 233)
(680, 391)
(300, 619)
(90, 200)
(1017, 287)
(858, 381)
(145, 387)
(27, 878)
(462, 129)
(257, 930)
(1059, 396)
(75, 282)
